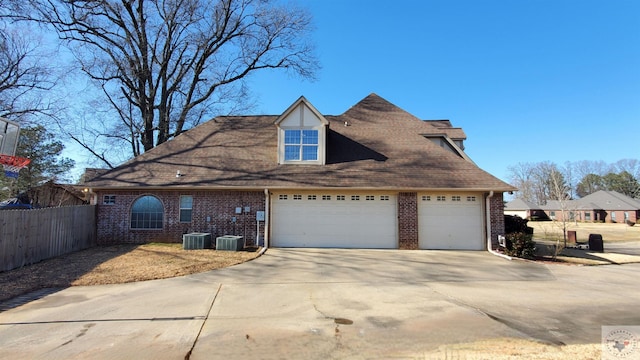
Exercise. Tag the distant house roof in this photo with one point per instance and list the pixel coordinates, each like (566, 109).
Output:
(556, 204)
(585, 205)
(599, 200)
(520, 204)
(610, 200)
(374, 144)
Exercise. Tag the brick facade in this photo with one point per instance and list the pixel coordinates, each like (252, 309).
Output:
(213, 212)
(496, 204)
(607, 216)
(408, 220)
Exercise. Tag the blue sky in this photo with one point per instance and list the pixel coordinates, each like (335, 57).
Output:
(528, 81)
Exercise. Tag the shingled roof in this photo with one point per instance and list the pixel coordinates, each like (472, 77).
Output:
(373, 145)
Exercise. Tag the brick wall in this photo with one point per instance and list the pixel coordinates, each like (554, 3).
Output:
(212, 212)
(595, 215)
(619, 216)
(497, 218)
(408, 220)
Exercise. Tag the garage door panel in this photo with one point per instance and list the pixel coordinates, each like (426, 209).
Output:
(450, 225)
(335, 223)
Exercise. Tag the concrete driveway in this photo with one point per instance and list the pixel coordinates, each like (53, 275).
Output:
(319, 304)
(623, 247)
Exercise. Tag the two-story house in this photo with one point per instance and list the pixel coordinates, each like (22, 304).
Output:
(372, 177)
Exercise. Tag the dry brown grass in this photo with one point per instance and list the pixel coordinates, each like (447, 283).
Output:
(552, 230)
(115, 265)
(548, 235)
(509, 348)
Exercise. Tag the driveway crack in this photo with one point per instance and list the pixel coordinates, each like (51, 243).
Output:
(521, 328)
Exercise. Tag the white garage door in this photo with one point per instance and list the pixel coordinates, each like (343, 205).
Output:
(346, 220)
(450, 221)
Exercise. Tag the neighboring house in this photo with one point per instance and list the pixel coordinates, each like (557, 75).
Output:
(525, 210)
(51, 194)
(601, 206)
(615, 207)
(373, 177)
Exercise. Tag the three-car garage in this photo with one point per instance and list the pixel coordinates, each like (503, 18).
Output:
(369, 220)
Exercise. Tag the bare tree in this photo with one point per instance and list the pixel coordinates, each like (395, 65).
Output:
(585, 167)
(570, 174)
(164, 65)
(560, 192)
(521, 176)
(631, 166)
(535, 181)
(22, 73)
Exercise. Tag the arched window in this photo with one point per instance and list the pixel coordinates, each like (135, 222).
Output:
(147, 213)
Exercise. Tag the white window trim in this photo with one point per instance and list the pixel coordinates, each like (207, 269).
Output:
(301, 145)
(109, 199)
(302, 115)
(181, 208)
(321, 146)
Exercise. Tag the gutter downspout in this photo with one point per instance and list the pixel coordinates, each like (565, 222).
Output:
(488, 212)
(267, 202)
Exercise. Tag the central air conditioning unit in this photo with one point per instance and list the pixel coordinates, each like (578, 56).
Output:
(194, 241)
(230, 243)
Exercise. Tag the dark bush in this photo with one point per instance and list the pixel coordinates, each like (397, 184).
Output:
(516, 224)
(521, 245)
(630, 223)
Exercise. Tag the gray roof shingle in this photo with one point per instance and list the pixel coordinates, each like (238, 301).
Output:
(520, 204)
(610, 200)
(382, 147)
(599, 200)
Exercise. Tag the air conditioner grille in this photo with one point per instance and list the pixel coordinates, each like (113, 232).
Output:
(195, 241)
(230, 242)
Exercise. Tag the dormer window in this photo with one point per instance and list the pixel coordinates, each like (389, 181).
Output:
(302, 133)
(301, 145)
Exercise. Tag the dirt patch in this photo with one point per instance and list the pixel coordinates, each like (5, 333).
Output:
(116, 265)
(499, 349)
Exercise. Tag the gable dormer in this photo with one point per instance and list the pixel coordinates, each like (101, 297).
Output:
(302, 134)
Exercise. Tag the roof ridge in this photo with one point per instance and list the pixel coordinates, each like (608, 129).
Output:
(612, 194)
(377, 104)
(625, 198)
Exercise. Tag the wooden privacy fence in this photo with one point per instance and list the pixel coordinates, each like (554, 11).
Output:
(30, 236)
